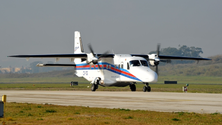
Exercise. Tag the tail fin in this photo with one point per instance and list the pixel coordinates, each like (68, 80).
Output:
(78, 47)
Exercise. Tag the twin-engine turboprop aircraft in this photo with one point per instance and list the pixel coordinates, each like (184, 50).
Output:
(111, 69)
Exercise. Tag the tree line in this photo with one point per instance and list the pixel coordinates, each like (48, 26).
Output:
(181, 51)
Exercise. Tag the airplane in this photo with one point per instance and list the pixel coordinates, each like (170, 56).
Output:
(106, 69)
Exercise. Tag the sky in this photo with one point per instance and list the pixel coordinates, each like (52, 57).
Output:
(120, 26)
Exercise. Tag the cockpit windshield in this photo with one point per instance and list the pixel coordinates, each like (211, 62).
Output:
(134, 63)
(138, 63)
(144, 63)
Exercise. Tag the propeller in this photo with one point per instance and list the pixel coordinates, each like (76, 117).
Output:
(96, 58)
(158, 49)
(157, 59)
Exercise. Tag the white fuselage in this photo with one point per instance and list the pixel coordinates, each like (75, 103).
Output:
(121, 70)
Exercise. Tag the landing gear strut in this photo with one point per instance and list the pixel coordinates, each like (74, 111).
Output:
(94, 87)
(146, 88)
(95, 84)
(133, 87)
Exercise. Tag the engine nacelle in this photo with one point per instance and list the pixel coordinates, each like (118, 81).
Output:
(154, 60)
(152, 63)
(91, 59)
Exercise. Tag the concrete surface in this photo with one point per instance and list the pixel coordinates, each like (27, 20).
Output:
(153, 101)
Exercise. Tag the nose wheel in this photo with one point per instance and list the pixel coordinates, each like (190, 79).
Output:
(146, 88)
(133, 87)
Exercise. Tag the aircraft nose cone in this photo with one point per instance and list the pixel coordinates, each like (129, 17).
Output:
(151, 76)
(154, 77)
(146, 75)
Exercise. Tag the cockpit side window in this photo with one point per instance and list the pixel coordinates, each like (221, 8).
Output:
(144, 62)
(134, 63)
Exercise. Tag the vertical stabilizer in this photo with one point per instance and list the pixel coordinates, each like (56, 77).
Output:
(78, 47)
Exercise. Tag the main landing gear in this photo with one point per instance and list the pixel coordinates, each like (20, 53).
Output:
(94, 87)
(146, 88)
(95, 84)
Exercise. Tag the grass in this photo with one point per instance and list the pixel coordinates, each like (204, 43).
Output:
(192, 79)
(17, 113)
(180, 79)
(42, 80)
(196, 84)
(24, 113)
(194, 88)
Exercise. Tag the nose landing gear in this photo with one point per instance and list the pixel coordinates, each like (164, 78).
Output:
(146, 88)
(133, 87)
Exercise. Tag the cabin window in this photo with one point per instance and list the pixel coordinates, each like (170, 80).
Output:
(128, 66)
(122, 66)
(144, 63)
(134, 63)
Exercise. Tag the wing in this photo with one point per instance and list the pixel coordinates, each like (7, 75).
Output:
(181, 58)
(81, 55)
(51, 56)
(163, 57)
(141, 55)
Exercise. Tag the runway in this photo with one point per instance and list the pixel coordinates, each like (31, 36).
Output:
(152, 101)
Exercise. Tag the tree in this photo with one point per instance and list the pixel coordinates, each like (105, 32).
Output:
(190, 51)
(182, 51)
(170, 51)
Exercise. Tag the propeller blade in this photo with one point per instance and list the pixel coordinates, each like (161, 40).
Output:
(158, 49)
(101, 69)
(157, 69)
(91, 49)
(96, 58)
(104, 54)
(166, 61)
(99, 66)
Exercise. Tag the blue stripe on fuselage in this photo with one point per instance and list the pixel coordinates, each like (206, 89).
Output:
(111, 70)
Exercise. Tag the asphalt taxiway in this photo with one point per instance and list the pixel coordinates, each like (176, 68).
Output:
(153, 101)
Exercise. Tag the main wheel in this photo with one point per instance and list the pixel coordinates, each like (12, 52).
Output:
(133, 87)
(94, 87)
(148, 89)
(144, 88)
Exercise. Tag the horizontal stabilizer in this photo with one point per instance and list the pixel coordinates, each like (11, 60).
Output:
(56, 65)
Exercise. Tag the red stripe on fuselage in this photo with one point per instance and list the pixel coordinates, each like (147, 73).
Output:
(117, 70)
(86, 66)
(122, 72)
